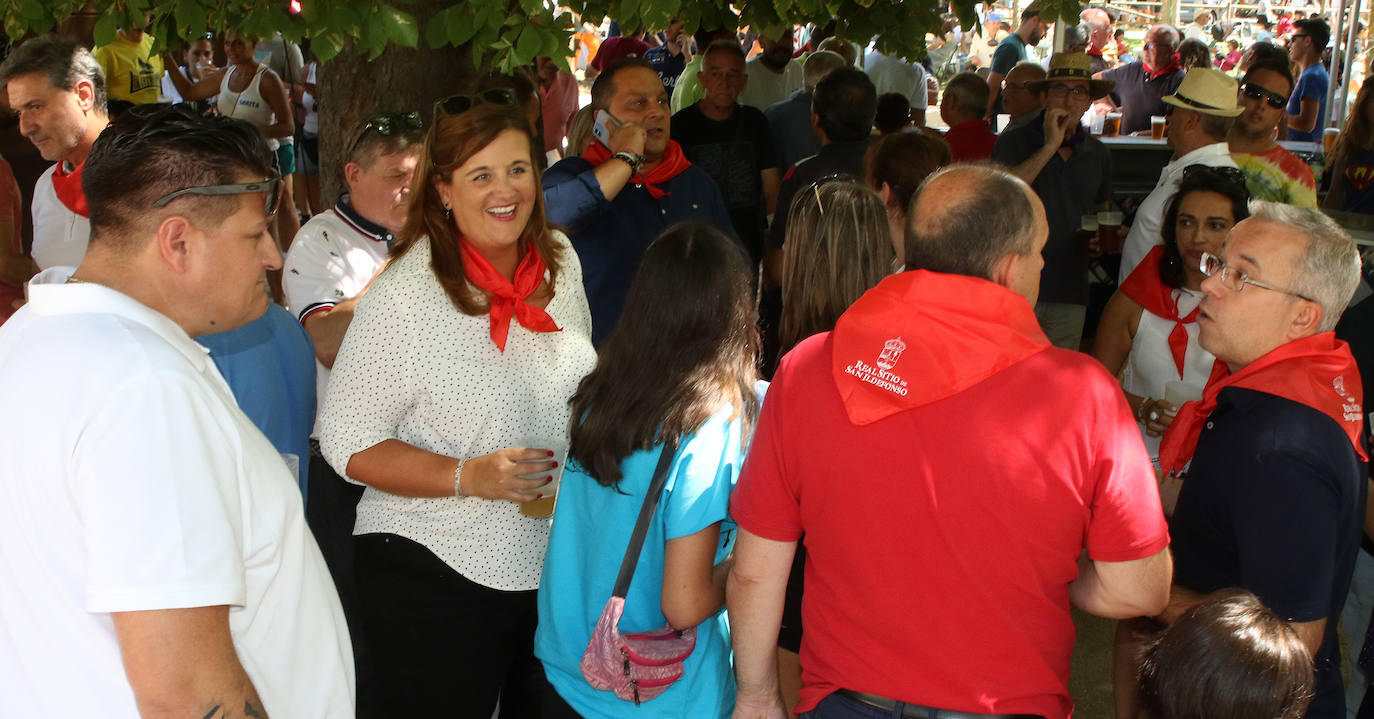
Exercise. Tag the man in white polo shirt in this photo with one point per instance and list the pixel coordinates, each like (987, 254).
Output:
(152, 542)
(58, 89)
(332, 260)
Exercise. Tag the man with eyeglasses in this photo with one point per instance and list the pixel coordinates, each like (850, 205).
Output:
(1012, 50)
(1268, 467)
(1071, 172)
(62, 121)
(1142, 86)
(1307, 106)
(1199, 115)
(152, 539)
(1271, 172)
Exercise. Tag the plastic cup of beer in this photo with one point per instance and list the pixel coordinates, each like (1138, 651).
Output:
(1177, 392)
(1111, 126)
(1157, 125)
(1329, 136)
(1109, 231)
(1095, 124)
(542, 508)
(1087, 232)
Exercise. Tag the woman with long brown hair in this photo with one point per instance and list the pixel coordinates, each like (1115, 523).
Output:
(1351, 160)
(448, 400)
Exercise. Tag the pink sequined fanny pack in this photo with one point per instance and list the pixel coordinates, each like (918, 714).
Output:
(642, 665)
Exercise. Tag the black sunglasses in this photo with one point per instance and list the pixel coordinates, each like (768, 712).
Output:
(1255, 92)
(385, 125)
(269, 186)
(1225, 174)
(459, 104)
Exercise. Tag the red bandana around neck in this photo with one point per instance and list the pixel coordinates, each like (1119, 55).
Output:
(672, 164)
(1171, 67)
(68, 188)
(1145, 286)
(921, 336)
(1317, 371)
(508, 298)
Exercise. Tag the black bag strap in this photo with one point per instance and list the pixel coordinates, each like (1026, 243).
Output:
(646, 512)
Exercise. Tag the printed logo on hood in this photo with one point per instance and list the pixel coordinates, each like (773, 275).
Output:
(881, 376)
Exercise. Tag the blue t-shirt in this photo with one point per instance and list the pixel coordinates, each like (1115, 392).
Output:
(1311, 85)
(591, 530)
(269, 364)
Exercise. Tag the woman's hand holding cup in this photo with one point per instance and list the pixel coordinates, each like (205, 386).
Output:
(515, 475)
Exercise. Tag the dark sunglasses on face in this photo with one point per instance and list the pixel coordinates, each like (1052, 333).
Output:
(269, 186)
(386, 125)
(1255, 92)
(459, 104)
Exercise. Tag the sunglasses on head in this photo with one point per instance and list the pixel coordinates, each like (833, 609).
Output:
(459, 104)
(1226, 174)
(385, 125)
(1255, 92)
(269, 186)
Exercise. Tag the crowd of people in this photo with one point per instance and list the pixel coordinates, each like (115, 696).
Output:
(737, 392)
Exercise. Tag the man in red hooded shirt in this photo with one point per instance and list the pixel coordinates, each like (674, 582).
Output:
(948, 467)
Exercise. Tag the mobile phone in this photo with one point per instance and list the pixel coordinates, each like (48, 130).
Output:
(602, 126)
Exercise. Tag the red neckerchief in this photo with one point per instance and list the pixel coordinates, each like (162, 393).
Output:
(1094, 51)
(921, 336)
(1317, 371)
(68, 189)
(1149, 291)
(672, 164)
(1173, 66)
(507, 297)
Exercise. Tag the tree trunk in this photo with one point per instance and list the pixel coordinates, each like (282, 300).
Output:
(400, 80)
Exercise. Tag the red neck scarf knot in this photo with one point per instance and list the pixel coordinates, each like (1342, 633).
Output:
(1145, 286)
(509, 298)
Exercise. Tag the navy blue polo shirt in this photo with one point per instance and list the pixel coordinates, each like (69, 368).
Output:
(1140, 95)
(610, 236)
(1274, 502)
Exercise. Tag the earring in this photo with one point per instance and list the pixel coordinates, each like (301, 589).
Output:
(448, 212)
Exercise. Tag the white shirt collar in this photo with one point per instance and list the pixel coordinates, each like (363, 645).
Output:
(50, 294)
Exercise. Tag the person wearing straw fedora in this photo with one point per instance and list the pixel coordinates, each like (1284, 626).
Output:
(1200, 116)
(1071, 172)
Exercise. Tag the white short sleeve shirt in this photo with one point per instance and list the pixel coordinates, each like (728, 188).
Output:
(60, 236)
(130, 480)
(414, 368)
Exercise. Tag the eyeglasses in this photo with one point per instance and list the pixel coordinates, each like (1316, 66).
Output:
(459, 104)
(1229, 174)
(1061, 90)
(1160, 46)
(1234, 279)
(1296, 36)
(270, 186)
(386, 125)
(1255, 92)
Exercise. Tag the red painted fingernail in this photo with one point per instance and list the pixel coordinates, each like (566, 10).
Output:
(538, 496)
(548, 480)
(555, 463)
(550, 453)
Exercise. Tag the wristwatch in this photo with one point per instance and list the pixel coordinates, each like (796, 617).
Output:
(631, 159)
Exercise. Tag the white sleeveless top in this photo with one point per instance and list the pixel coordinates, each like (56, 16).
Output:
(1151, 364)
(248, 105)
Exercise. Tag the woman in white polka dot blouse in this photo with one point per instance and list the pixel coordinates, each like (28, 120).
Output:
(449, 401)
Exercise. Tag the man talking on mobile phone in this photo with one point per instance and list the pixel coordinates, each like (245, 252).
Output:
(630, 184)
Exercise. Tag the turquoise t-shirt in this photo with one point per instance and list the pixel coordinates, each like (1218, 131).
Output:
(591, 529)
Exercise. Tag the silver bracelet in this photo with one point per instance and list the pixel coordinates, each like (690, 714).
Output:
(458, 480)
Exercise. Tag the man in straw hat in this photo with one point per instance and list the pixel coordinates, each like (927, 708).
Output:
(1072, 173)
(1200, 116)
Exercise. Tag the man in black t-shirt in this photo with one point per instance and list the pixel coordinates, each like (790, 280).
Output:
(732, 143)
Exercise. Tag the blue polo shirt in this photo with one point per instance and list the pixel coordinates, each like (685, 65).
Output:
(610, 236)
(1273, 502)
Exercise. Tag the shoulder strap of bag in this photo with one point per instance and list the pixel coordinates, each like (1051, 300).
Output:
(646, 512)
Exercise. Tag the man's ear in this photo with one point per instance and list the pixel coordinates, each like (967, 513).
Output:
(1004, 270)
(1307, 319)
(85, 95)
(351, 172)
(176, 240)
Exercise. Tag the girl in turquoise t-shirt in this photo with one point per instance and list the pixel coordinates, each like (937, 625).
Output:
(680, 362)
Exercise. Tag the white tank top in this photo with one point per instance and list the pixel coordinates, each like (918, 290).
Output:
(248, 105)
(1151, 364)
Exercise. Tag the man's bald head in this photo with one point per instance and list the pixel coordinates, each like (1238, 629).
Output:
(966, 218)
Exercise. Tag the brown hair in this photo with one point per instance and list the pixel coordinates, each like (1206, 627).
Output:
(1358, 133)
(452, 140)
(903, 160)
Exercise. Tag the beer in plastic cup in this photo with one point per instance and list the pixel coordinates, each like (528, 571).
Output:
(1087, 234)
(1111, 126)
(1157, 125)
(1329, 136)
(1177, 392)
(1095, 124)
(1109, 232)
(542, 508)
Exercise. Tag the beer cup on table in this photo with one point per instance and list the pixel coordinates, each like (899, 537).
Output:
(1157, 125)
(1329, 136)
(1111, 125)
(1109, 238)
(1095, 124)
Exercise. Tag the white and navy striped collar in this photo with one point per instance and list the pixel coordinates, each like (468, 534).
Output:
(344, 209)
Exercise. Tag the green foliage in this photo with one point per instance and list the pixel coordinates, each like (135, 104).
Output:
(502, 33)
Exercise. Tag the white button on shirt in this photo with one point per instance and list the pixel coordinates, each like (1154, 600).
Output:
(414, 368)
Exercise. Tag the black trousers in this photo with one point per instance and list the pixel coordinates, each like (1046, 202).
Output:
(555, 707)
(443, 645)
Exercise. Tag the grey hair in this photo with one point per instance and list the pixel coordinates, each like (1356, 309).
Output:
(63, 61)
(819, 65)
(1329, 269)
(968, 231)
